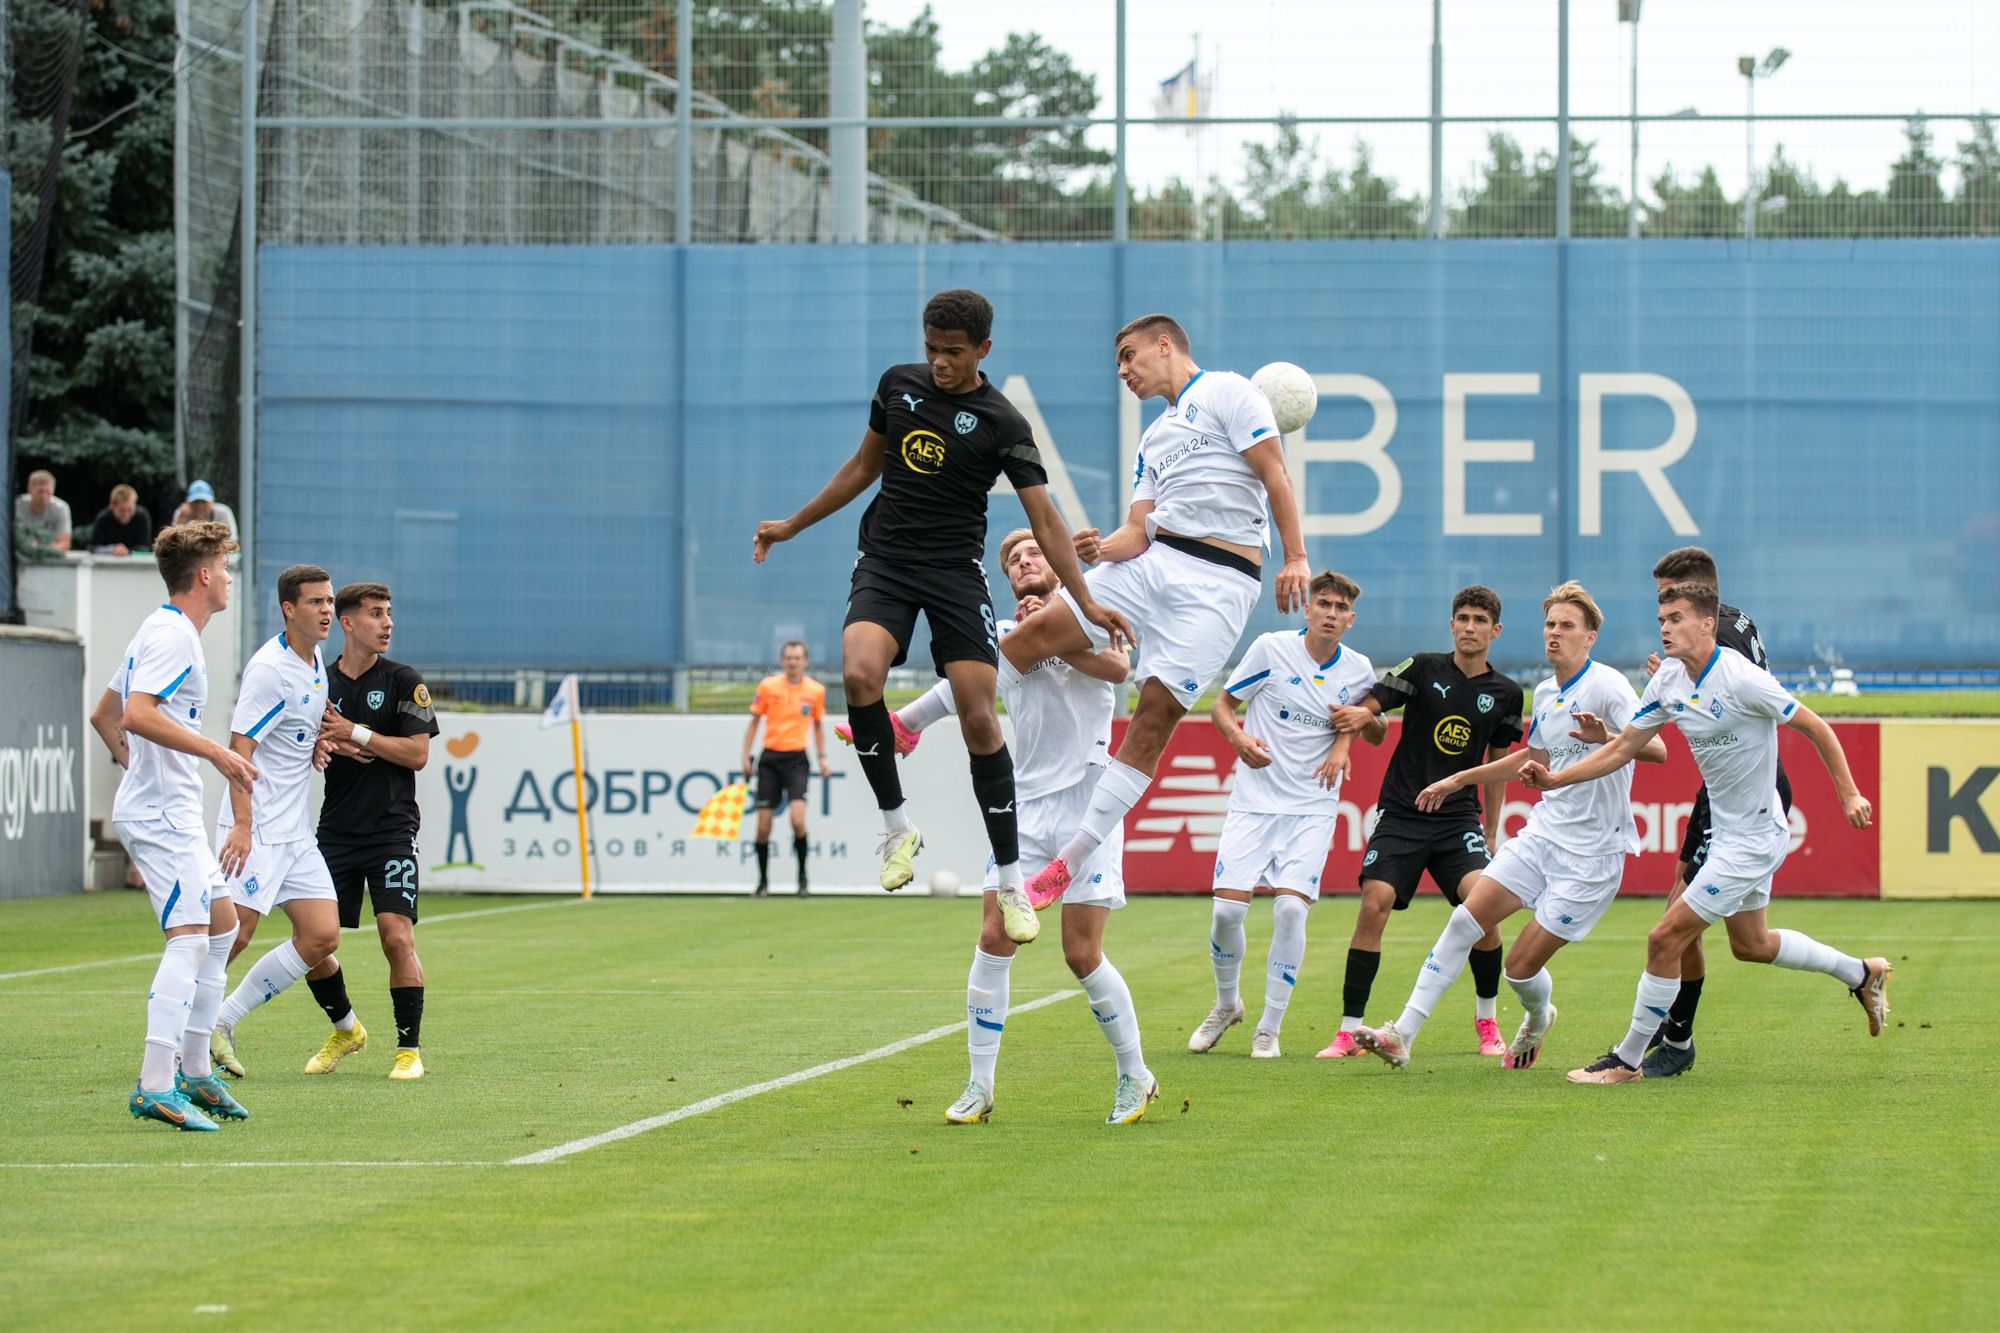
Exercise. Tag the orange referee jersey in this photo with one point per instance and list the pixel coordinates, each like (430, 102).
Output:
(787, 709)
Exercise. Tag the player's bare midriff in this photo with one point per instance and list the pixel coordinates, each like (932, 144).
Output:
(1250, 553)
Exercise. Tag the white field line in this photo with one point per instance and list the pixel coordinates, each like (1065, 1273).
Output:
(721, 1100)
(345, 930)
(575, 1146)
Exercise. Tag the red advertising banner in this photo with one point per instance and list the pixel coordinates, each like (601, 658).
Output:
(1170, 836)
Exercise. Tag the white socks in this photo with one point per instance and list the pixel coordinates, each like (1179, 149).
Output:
(986, 1013)
(1534, 996)
(1803, 953)
(1118, 789)
(1441, 968)
(933, 705)
(1225, 948)
(897, 820)
(209, 983)
(1649, 1010)
(1288, 950)
(1111, 1005)
(264, 982)
(167, 1006)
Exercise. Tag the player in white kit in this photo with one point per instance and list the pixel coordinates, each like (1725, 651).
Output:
(265, 842)
(1283, 803)
(150, 718)
(1566, 864)
(1729, 710)
(1061, 710)
(1184, 569)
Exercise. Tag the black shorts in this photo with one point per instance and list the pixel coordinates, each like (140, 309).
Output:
(781, 778)
(953, 597)
(1403, 847)
(387, 869)
(1694, 843)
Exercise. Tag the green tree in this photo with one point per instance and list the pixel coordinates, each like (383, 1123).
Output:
(1699, 208)
(1915, 199)
(1514, 197)
(100, 373)
(1288, 194)
(1978, 199)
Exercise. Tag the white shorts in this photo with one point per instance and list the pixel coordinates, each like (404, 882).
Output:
(1570, 892)
(277, 873)
(1187, 613)
(180, 871)
(1046, 823)
(1275, 851)
(1736, 876)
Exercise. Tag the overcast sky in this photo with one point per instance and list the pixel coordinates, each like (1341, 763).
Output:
(1372, 57)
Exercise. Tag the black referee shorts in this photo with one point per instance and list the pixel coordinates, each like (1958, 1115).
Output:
(781, 778)
(1404, 847)
(1694, 843)
(953, 597)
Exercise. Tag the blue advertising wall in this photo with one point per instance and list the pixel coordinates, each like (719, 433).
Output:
(557, 456)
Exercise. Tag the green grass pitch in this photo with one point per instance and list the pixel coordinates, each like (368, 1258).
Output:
(1801, 1176)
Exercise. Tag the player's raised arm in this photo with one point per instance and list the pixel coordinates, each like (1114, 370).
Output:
(856, 475)
(1059, 551)
(1621, 750)
(1856, 806)
(1267, 459)
(1491, 776)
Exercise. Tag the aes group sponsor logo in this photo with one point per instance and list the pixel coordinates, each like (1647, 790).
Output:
(923, 452)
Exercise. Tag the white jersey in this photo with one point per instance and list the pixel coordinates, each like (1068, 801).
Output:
(1062, 724)
(1191, 461)
(165, 660)
(1591, 818)
(1291, 699)
(279, 706)
(1730, 714)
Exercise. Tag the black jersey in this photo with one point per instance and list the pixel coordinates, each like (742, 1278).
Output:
(375, 801)
(1450, 720)
(943, 453)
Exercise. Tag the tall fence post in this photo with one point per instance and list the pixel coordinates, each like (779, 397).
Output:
(1121, 222)
(1437, 120)
(683, 121)
(847, 81)
(246, 389)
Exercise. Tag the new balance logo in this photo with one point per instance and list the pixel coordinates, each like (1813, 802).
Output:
(1008, 811)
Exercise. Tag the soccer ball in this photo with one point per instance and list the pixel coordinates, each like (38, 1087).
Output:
(944, 884)
(1294, 397)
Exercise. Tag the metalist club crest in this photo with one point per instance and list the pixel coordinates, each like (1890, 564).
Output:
(965, 421)
(376, 699)
(1485, 702)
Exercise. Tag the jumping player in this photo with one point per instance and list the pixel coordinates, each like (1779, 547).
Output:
(1186, 565)
(1457, 712)
(938, 436)
(1566, 864)
(1729, 710)
(1284, 802)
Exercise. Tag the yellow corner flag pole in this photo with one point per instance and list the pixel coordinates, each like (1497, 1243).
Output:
(582, 827)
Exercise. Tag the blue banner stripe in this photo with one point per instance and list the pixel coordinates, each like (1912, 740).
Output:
(264, 721)
(168, 910)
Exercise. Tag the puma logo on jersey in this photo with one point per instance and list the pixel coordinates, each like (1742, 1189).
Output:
(1444, 690)
(870, 753)
(1008, 811)
(911, 401)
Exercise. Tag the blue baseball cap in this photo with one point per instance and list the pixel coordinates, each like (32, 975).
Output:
(200, 490)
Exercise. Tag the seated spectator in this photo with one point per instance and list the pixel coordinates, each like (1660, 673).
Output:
(201, 507)
(123, 526)
(41, 521)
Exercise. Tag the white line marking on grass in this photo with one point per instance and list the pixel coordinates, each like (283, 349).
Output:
(721, 1100)
(211, 1166)
(345, 930)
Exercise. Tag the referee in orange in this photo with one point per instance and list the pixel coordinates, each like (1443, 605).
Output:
(786, 703)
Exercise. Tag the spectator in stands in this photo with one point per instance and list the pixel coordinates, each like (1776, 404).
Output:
(201, 507)
(123, 526)
(41, 521)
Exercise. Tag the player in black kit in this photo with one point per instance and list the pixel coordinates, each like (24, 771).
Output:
(1673, 1049)
(938, 435)
(379, 728)
(1458, 713)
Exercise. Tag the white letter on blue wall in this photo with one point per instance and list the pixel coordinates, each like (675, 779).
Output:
(1371, 451)
(1594, 460)
(1459, 451)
